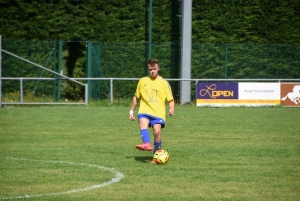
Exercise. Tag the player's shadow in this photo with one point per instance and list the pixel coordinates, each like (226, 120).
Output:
(143, 159)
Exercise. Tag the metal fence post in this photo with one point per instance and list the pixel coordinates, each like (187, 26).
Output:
(54, 68)
(86, 94)
(111, 91)
(21, 90)
(186, 52)
(60, 58)
(150, 31)
(89, 67)
(0, 72)
(226, 60)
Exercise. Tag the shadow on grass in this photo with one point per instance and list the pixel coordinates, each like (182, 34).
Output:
(143, 159)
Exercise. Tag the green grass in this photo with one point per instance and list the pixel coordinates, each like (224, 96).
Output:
(216, 154)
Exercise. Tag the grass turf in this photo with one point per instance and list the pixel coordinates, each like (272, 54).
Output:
(216, 154)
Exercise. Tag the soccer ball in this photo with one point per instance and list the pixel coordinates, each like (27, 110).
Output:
(161, 156)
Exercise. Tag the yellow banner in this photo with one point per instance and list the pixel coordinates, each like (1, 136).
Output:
(236, 101)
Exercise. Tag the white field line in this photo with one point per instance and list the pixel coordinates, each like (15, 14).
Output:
(118, 176)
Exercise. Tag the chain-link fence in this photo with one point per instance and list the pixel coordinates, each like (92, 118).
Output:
(128, 60)
(40, 52)
(245, 61)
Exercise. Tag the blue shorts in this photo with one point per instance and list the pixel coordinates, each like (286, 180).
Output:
(152, 120)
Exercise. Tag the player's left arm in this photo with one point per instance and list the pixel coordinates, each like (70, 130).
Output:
(171, 107)
(170, 99)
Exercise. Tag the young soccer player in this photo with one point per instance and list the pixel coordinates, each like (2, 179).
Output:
(152, 92)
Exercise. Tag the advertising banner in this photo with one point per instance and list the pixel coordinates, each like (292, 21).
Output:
(217, 93)
(237, 94)
(290, 94)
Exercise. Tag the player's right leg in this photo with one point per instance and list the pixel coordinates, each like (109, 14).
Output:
(146, 146)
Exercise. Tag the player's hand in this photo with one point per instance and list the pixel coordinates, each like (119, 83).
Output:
(171, 112)
(131, 117)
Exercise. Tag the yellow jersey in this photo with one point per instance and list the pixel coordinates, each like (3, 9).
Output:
(153, 94)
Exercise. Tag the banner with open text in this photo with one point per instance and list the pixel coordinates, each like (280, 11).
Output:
(222, 94)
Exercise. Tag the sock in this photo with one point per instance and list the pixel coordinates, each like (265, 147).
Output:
(157, 146)
(145, 135)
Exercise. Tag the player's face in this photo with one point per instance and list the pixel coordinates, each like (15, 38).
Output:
(153, 70)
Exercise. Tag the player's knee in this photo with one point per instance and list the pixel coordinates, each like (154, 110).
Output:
(156, 133)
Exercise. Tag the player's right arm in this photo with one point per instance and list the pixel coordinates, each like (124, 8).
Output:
(135, 101)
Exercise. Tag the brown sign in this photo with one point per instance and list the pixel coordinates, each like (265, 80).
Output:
(290, 94)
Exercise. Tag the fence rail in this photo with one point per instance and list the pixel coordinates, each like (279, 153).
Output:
(41, 103)
(111, 81)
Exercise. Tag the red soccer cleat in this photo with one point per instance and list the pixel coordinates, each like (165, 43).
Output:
(153, 161)
(144, 147)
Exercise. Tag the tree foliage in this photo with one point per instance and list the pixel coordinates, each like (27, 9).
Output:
(241, 21)
(213, 21)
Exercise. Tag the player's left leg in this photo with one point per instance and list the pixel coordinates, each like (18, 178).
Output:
(157, 137)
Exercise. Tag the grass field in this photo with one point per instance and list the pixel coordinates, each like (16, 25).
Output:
(87, 153)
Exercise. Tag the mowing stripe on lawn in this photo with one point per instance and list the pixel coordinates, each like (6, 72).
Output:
(117, 178)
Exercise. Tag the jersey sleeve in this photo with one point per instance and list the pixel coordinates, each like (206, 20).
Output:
(138, 90)
(169, 92)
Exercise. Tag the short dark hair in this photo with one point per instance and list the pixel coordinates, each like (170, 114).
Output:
(152, 62)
